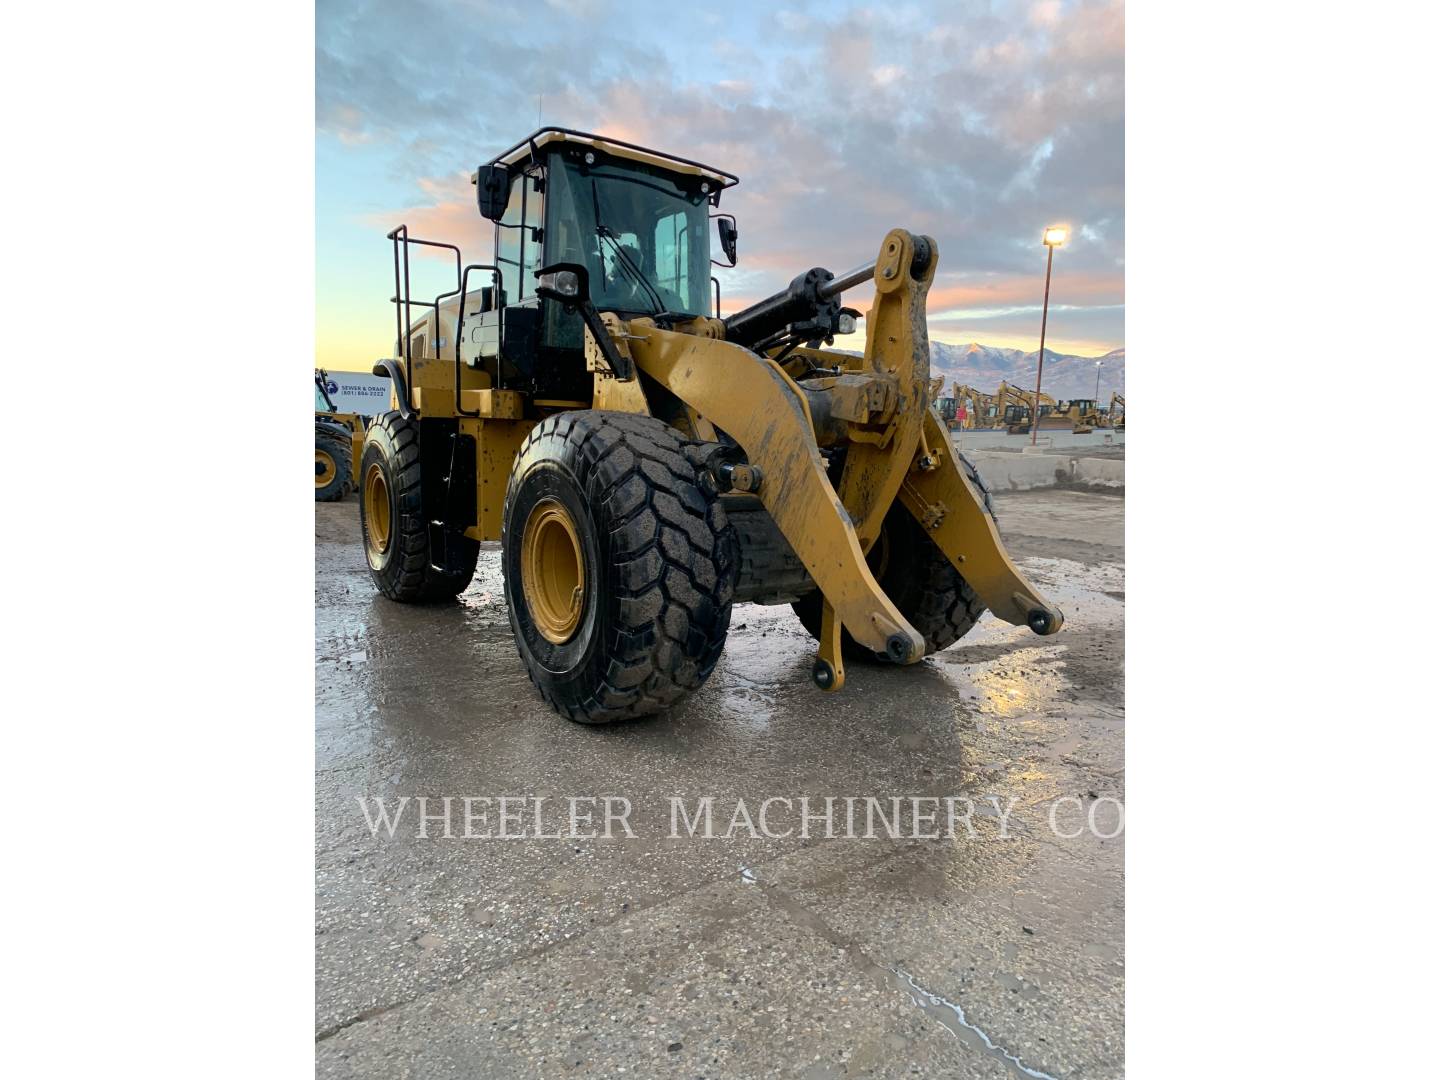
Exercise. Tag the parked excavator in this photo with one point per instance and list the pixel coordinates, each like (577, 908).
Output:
(945, 406)
(978, 408)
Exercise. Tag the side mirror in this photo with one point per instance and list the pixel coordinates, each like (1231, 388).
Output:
(569, 283)
(492, 190)
(729, 234)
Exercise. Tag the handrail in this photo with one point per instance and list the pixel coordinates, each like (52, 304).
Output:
(401, 239)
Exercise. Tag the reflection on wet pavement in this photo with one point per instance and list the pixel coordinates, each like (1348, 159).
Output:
(531, 956)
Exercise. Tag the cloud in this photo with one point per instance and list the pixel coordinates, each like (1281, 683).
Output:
(976, 126)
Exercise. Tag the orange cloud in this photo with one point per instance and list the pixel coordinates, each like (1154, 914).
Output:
(1014, 291)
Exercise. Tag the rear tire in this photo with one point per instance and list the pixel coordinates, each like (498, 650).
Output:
(332, 466)
(393, 530)
(619, 566)
(920, 581)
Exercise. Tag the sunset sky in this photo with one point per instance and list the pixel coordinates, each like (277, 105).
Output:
(978, 123)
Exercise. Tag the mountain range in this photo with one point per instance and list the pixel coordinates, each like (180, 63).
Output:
(985, 366)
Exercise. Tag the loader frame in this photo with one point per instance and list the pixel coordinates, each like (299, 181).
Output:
(828, 442)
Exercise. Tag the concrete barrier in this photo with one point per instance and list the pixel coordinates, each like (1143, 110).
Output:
(1022, 472)
(1059, 440)
(1099, 472)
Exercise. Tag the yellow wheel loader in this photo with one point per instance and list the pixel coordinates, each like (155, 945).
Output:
(645, 463)
(339, 438)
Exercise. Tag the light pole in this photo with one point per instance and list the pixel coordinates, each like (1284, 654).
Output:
(1052, 238)
(1097, 384)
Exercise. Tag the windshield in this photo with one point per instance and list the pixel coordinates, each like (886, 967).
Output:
(322, 404)
(644, 238)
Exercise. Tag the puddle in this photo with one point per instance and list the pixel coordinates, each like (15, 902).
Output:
(1082, 577)
(952, 1016)
(1020, 681)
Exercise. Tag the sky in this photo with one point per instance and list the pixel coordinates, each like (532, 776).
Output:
(976, 123)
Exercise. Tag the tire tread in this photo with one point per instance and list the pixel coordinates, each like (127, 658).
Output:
(673, 556)
(416, 580)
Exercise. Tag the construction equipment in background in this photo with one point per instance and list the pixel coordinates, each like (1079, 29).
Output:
(1010, 408)
(339, 438)
(1114, 418)
(1079, 413)
(645, 463)
(945, 406)
(1090, 415)
(973, 409)
(1078, 416)
(1014, 407)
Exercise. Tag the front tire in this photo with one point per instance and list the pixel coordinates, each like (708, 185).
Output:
(921, 582)
(393, 529)
(619, 566)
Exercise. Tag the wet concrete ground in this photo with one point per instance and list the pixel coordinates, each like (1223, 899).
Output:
(994, 956)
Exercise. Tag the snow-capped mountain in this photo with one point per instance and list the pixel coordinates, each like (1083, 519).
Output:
(984, 366)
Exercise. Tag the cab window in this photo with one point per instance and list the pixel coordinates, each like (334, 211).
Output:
(672, 254)
(517, 247)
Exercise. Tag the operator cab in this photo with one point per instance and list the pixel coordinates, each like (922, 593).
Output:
(638, 220)
(322, 395)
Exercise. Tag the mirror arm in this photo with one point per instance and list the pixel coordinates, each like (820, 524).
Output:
(622, 366)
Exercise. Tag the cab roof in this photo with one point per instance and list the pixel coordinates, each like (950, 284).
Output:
(529, 147)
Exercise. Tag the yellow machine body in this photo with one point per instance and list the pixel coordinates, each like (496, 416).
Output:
(780, 414)
(899, 448)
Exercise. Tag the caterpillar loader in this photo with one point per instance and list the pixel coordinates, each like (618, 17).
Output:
(646, 464)
(339, 438)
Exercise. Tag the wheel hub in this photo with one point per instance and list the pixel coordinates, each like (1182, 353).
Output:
(324, 468)
(377, 510)
(552, 571)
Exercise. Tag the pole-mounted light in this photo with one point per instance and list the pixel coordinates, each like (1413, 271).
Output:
(1052, 237)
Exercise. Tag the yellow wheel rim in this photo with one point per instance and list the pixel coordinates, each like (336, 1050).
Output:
(324, 468)
(552, 571)
(377, 510)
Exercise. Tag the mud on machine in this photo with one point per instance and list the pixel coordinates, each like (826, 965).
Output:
(646, 463)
